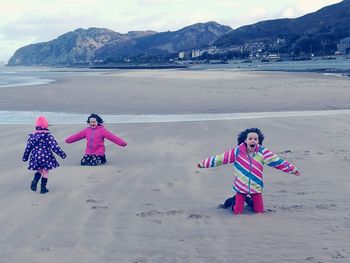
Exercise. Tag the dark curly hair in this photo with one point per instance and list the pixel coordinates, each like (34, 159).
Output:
(243, 135)
(95, 116)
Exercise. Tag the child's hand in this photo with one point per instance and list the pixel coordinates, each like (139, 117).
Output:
(295, 172)
(200, 165)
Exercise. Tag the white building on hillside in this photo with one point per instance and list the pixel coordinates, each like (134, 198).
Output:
(344, 46)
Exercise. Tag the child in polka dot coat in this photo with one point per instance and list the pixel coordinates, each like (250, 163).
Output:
(40, 146)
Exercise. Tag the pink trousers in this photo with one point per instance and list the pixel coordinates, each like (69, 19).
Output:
(257, 201)
(44, 173)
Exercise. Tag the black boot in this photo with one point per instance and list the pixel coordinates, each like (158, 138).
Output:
(35, 181)
(229, 202)
(43, 186)
(249, 202)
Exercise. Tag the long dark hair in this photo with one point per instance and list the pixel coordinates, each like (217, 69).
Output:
(243, 135)
(95, 116)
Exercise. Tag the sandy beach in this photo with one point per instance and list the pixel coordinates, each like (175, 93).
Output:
(181, 91)
(150, 203)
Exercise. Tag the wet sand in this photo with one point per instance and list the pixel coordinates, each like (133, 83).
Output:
(181, 92)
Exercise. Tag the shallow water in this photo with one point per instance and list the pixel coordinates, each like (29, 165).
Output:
(26, 76)
(28, 117)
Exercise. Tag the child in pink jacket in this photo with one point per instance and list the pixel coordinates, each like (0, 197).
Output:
(95, 135)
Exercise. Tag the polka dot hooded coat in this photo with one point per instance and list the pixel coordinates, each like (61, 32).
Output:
(40, 146)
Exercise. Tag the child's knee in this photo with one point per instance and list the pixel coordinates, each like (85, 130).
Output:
(239, 204)
(258, 204)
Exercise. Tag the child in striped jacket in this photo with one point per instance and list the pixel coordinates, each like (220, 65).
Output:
(248, 158)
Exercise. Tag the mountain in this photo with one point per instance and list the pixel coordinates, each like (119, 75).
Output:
(93, 44)
(317, 32)
(325, 26)
(78, 46)
(190, 37)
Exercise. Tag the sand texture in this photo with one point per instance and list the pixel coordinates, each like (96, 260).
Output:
(150, 203)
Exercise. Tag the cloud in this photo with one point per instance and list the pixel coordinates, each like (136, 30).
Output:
(32, 21)
(313, 5)
(157, 2)
(289, 12)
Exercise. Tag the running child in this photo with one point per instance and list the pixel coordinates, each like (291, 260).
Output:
(40, 146)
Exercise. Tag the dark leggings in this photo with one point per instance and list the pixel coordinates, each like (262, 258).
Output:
(93, 159)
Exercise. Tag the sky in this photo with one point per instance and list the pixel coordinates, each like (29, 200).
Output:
(24, 22)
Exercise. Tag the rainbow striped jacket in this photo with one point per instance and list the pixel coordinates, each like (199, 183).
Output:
(248, 169)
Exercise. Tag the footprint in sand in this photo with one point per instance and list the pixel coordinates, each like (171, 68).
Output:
(196, 216)
(286, 151)
(150, 213)
(174, 212)
(301, 193)
(271, 210)
(325, 206)
(91, 200)
(141, 260)
(154, 212)
(99, 207)
(157, 222)
(290, 208)
(334, 229)
(338, 255)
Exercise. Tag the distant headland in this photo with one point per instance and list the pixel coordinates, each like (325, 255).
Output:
(325, 33)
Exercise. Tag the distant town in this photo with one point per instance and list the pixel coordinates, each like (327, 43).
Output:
(277, 50)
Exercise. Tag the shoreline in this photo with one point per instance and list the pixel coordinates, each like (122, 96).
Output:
(300, 67)
(25, 117)
(147, 92)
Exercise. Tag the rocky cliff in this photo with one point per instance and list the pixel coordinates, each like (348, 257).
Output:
(76, 47)
(97, 44)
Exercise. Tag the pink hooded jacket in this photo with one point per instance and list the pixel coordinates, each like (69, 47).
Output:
(95, 139)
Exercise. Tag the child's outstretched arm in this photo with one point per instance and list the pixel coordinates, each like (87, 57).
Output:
(76, 136)
(113, 138)
(220, 159)
(271, 159)
(28, 149)
(55, 148)
(295, 171)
